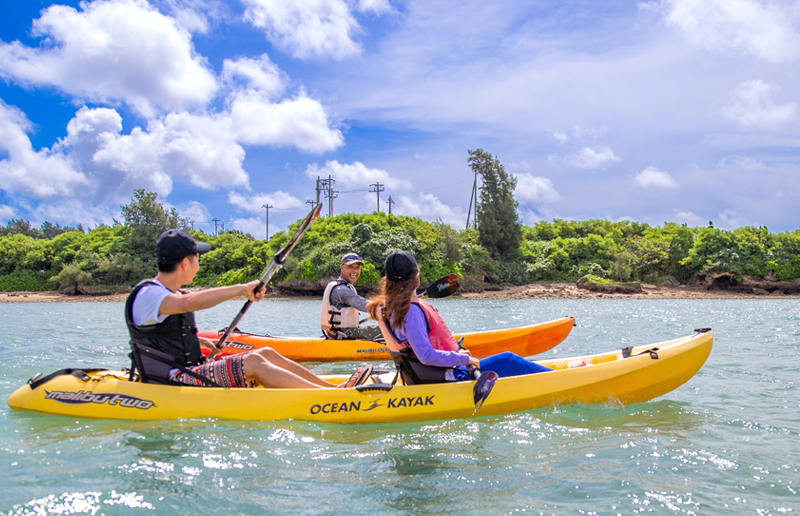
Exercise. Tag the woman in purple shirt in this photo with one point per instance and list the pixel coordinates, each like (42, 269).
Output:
(411, 328)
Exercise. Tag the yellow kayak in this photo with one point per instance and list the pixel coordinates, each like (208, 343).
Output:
(649, 372)
(524, 341)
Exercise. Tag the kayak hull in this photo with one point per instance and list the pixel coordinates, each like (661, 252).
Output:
(609, 379)
(524, 341)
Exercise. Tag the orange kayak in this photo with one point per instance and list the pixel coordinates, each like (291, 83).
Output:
(524, 341)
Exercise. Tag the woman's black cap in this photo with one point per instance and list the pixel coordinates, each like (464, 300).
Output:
(400, 266)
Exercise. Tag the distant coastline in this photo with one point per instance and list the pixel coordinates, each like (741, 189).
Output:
(530, 291)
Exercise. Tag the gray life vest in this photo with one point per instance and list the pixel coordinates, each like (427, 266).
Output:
(333, 319)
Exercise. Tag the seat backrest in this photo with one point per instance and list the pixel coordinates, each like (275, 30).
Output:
(415, 372)
(153, 365)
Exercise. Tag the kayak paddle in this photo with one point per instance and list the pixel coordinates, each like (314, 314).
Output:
(443, 287)
(484, 383)
(277, 263)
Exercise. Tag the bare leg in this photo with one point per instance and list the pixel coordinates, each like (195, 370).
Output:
(281, 362)
(269, 375)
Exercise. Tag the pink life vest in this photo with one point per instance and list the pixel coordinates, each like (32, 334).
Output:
(438, 333)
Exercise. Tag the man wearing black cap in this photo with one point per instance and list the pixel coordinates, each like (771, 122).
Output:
(341, 304)
(160, 316)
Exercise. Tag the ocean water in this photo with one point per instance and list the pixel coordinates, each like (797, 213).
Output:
(725, 442)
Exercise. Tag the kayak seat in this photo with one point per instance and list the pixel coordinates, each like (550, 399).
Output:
(154, 366)
(415, 372)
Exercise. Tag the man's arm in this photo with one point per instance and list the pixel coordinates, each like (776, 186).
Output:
(343, 296)
(201, 299)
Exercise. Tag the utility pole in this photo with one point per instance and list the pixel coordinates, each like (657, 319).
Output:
(325, 186)
(474, 197)
(378, 188)
(267, 206)
(215, 221)
(331, 194)
(390, 204)
(191, 222)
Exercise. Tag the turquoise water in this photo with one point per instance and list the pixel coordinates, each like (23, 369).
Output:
(725, 441)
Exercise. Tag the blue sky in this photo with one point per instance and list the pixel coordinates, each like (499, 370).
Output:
(663, 110)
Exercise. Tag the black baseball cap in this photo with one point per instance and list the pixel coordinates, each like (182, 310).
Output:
(400, 266)
(176, 244)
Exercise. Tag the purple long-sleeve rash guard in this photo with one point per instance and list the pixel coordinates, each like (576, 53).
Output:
(415, 332)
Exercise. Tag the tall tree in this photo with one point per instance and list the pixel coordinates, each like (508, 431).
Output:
(499, 228)
(147, 219)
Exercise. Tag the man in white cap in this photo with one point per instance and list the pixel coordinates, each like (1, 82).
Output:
(341, 304)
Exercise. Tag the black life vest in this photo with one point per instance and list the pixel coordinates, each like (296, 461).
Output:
(176, 335)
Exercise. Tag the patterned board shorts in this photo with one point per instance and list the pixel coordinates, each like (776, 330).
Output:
(227, 371)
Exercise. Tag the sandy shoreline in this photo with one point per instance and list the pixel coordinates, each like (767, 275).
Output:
(532, 291)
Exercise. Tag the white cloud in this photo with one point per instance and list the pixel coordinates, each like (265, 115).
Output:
(561, 136)
(579, 134)
(529, 217)
(7, 212)
(254, 226)
(534, 189)
(374, 6)
(690, 219)
(589, 157)
(67, 211)
(113, 50)
(198, 148)
(259, 74)
(730, 219)
(195, 212)
(307, 28)
(763, 29)
(356, 175)
(300, 122)
(428, 206)
(752, 105)
(740, 163)
(279, 200)
(651, 177)
(192, 15)
(39, 174)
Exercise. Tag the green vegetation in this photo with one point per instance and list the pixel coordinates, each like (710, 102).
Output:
(560, 250)
(501, 251)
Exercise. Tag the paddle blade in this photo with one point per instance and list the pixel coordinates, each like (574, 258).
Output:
(483, 387)
(443, 287)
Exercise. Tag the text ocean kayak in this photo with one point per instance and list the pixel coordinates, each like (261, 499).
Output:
(525, 341)
(649, 372)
